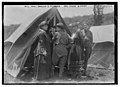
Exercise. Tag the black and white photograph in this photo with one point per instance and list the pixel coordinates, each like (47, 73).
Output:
(59, 43)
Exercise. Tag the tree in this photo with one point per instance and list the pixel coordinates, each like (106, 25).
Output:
(98, 14)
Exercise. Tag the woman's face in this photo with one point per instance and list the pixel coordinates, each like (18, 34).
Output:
(58, 29)
(45, 27)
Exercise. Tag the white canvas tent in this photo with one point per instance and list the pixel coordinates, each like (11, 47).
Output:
(103, 49)
(103, 33)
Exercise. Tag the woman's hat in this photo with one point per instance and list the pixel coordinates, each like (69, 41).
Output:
(60, 25)
(43, 23)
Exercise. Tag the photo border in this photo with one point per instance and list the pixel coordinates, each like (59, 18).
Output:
(66, 3)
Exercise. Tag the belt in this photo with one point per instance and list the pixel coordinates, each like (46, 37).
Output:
(62, 44)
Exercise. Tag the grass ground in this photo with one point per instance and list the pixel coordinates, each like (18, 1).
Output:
(94, 76)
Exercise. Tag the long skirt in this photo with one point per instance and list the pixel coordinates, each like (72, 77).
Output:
(75, 59)
(42, 70)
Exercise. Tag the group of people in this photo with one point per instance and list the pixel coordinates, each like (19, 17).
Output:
(55, 46)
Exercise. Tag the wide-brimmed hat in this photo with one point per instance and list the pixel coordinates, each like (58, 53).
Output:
(43, 23)
(60, 25)
(86, 25)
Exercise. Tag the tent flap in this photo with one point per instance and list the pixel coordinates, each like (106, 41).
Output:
(16, 65)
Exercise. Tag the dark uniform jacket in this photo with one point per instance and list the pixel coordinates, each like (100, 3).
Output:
(89, 38)
(60, 49)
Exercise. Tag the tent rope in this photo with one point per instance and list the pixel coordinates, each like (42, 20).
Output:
(100, 60)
